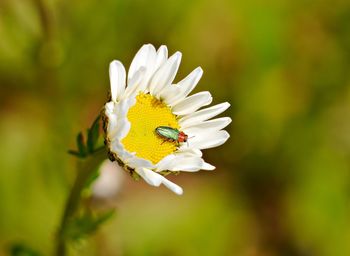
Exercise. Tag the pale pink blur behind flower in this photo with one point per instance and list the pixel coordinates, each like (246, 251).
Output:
(110, 181)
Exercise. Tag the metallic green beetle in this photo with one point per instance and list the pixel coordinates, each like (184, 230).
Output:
(171, 134)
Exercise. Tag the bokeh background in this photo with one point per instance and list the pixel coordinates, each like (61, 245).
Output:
(282, 183)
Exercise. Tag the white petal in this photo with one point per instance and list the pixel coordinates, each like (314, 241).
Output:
(190, 81)
(118, 148)
(189, 151)
(134, 85)
(123, 107)
(208, 167)
(179, 155)
(164, 162)
(188, 164)
(117, 76)
(186, 86)
(110, 111)
(165, 74)
(137, 162)
(192, 103)
(172, 186)
(143, 58)
(169, 92)
(162, 56)
(112, 131)
(118, 124)
(212, 125)
(203, 114)
(155, 179)
(111, 115)
(123, 128)
(150, 176)
(110, 106)
(209, 140)
(183, 163)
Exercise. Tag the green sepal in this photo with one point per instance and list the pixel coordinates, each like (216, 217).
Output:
(167, 172)
(135, 175)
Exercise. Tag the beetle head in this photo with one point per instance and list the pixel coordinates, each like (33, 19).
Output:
(182, 137)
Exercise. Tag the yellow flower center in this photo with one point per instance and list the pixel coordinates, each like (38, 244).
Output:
(145, 116)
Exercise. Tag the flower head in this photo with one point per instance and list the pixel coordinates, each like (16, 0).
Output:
(147, 99)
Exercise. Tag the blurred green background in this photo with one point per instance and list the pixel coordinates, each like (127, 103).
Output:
(282, 183)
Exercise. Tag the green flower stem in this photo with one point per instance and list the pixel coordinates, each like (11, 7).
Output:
(86, 167)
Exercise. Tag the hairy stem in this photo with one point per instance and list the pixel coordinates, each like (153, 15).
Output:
(86, 168)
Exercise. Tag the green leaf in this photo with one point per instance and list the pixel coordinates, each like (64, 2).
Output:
(19, 249)
(86, 224)
(74, 153)
(89, 146)
(81, 144)
(93, 134)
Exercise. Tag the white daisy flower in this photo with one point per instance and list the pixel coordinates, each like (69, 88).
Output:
(146, 99)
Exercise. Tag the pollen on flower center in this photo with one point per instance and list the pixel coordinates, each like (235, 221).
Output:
(145, 116)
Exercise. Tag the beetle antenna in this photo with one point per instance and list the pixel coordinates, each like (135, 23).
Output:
(188, 139)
